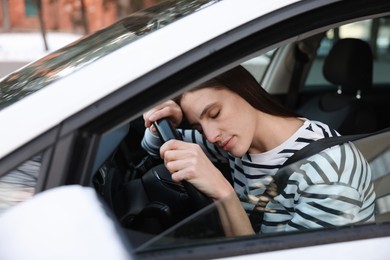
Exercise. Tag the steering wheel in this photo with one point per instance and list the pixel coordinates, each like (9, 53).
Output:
(151, 201)
(181, 199)
(168, 132)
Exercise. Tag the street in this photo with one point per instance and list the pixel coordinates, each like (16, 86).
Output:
(18, 49)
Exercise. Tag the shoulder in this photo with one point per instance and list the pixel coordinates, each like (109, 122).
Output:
(336, 164)
(317, 129)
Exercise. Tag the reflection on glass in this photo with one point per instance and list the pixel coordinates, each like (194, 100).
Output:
(19, 184)
(327, 190)
(381, 176)
(85, 50)
(199, 228)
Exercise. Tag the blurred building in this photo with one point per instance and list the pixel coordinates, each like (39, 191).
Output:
(65, 15)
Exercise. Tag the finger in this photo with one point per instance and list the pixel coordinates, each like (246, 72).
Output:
(151, 116)
(178, 145)
(181, 169)
(173, 113)
(169, 145)
(156, 113)
(153, 129)
(146, 116)
(169, 110)
(186, 174)
(179, 176)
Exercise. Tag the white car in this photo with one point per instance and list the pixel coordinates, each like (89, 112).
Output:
(74, 118)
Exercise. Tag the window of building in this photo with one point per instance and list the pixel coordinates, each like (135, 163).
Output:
(30, 8)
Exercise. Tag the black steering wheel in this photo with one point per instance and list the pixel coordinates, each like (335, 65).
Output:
(151, 201)
(181, 199)
(168, 132)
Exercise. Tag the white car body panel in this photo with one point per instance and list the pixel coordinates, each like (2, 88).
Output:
(48, 107)
(51, 105)
(373, 249)
(86, 234)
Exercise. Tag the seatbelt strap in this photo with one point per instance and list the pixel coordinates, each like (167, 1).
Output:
(301, 59)
(321, 144)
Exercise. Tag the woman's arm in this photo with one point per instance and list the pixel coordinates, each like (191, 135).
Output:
(188, 162)
(171, 110)
(235, 221)
(152, 143)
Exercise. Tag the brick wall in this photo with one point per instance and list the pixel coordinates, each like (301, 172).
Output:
(61, 15)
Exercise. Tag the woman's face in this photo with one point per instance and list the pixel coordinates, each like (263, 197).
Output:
(224, 117)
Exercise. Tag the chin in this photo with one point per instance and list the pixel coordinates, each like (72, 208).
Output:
(236, 153)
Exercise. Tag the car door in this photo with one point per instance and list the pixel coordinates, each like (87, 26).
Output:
(103, 139)
(216, 245)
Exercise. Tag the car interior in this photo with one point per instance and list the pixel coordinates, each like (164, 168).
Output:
(349, 67)
(347, 97)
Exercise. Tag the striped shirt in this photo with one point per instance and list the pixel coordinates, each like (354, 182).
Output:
(331, 188)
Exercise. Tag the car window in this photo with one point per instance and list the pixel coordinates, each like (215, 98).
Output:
(381, 177)
(257, 66)
(200, 228)
(380, 167)
(156, 213)
(374, 31)
(20, 183)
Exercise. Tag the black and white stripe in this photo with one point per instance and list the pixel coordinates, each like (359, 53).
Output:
(332, 188)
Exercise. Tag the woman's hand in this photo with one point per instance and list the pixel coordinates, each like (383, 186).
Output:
(168, 109)
(187, 162)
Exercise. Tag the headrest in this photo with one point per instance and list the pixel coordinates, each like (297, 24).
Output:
(349, 65)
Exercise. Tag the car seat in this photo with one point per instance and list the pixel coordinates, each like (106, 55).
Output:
(349, 67)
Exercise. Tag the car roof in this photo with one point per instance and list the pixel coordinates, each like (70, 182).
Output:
(48, 107)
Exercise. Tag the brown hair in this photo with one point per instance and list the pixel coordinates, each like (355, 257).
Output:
(240, 81)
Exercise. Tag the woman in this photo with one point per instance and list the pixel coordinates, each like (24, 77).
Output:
(236, 121)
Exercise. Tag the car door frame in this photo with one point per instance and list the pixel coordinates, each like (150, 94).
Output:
(82, 131)
(198, 70)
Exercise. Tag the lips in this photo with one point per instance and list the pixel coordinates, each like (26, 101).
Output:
(225, 144)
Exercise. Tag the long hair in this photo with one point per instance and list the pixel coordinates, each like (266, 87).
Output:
(240, 81)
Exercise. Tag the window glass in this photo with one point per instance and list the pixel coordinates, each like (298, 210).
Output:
(204, 227)
(19, 184)
(376, 32)
(382, 51)
(158, 214)
(31, 8)
(75, 56)
(258, 66)
(380, 167)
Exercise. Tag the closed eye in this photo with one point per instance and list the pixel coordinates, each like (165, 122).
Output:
(214, 114)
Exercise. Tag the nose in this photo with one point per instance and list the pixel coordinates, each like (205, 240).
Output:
(212, 134)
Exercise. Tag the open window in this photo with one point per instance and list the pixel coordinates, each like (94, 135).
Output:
(155, 212)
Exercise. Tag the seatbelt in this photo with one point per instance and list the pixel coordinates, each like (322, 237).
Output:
(282, 176)
(301, 59)
(321, 144)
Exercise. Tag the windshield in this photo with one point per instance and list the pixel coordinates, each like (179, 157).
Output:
(78, 54)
